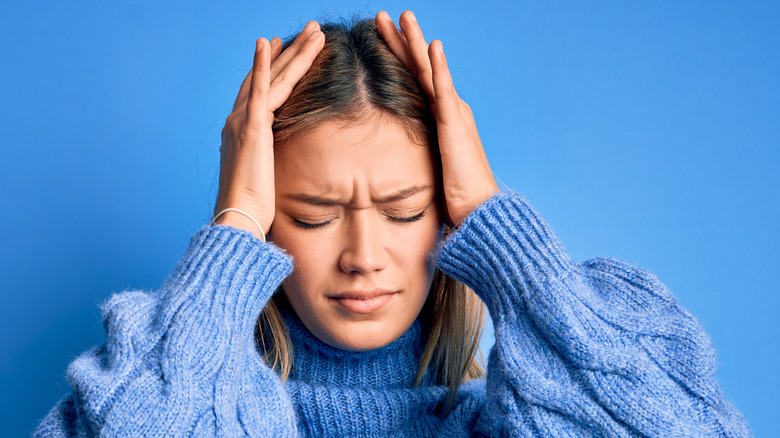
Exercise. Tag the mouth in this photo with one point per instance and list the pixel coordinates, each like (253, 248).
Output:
(362, 301)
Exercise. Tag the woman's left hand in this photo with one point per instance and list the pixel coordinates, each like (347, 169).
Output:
(467, 178)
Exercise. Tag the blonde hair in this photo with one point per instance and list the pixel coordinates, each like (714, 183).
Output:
(356, 75)
(452, 317)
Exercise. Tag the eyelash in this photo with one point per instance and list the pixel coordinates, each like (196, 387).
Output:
(308, 225)
(406, 220)
(402, 220)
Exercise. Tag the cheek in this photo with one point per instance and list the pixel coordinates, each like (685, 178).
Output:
(418, 243)
(308, 252)
(434, 229)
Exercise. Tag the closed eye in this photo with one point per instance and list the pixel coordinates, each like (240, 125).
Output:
(310, 225)
(401, 220)
(404, 220)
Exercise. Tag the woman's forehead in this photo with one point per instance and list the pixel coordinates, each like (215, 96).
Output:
(375, 158)
(376, 144)
(366, 124)
(320, 197)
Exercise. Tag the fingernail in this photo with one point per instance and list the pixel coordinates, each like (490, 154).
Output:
(312, 36)
(413, 17)
(309, 26)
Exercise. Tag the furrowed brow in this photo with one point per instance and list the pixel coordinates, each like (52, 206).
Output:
(327, 202)
(316, 200)
(401, 194)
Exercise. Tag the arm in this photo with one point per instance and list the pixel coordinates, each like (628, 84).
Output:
(600, 348)
(182, 360)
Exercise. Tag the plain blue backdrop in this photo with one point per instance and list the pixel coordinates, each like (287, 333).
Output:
(647, 131)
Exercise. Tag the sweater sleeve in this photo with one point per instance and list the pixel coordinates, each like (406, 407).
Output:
(182, 360)
(594, 349)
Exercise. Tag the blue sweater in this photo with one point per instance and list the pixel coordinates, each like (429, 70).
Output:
(599, 348)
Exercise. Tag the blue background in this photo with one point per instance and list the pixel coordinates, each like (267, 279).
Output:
(646, 131)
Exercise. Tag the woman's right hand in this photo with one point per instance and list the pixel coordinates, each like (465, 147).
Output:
(246, 169)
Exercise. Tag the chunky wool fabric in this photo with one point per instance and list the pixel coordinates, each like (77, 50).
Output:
(599, 348)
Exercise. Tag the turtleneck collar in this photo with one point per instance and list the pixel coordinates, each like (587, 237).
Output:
(316, 363)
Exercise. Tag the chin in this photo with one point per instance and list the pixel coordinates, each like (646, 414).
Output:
(363, 336)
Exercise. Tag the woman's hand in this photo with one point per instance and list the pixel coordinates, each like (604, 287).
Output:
(246, 170)
(467, 178)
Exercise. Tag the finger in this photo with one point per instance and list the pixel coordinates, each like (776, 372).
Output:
(418, 49)
(450, 109)
(257, 102)
(394, 39)
(284, 81)
(447, 101)
(289, 53)
(276, 48)
(243, 91)
(233, 125)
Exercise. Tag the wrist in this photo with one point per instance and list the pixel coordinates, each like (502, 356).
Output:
(240, 221)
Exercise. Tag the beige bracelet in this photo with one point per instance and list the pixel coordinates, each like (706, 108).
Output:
(245, 214)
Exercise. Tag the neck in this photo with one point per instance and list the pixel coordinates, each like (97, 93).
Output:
(392, 366)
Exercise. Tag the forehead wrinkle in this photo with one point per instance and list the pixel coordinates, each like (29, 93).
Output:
(394, 196)
(390, 197)
(400, 195)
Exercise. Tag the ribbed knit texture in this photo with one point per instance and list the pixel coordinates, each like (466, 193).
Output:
(593, 349)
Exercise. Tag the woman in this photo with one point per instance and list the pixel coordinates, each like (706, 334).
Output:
(351, 150)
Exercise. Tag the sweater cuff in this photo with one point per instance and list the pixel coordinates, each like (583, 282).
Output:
(226, 275)
(503, 251)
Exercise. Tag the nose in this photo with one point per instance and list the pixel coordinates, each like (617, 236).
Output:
(364, 248)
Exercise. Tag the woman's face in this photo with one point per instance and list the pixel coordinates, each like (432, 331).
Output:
(356, 206)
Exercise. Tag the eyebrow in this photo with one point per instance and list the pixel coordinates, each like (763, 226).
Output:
(328, 202)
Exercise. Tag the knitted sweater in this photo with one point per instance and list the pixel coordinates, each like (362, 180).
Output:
(599, 348)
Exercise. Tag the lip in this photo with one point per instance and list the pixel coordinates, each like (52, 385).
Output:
(362, 301)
